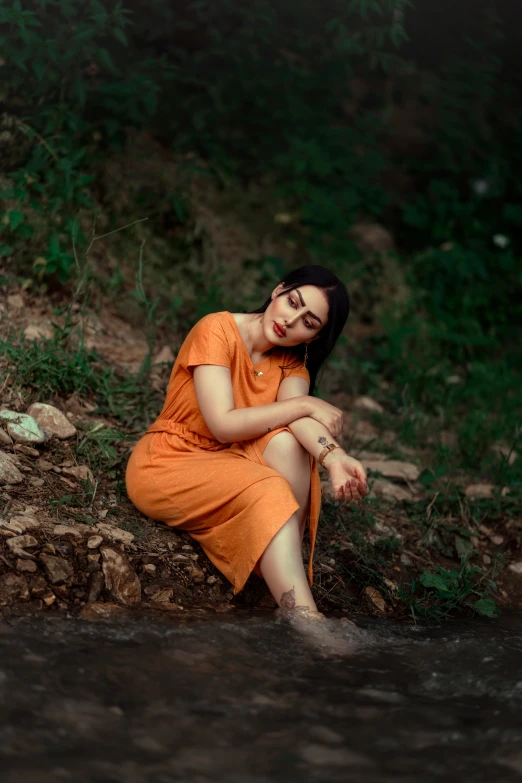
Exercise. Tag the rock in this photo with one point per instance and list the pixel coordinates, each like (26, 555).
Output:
(57, 569)
(211, 580)
(149, 568)
(66, 530)
(25, 522)
(516, 567)
(27, 450)
(26, 566)
(5, 439)
(95, 585)
(93, 542)
(477, 491)
(39, 331)
(49, 598)
(34, 482)
(52, 420)
(9, 473)
(497, 540)
(164, 356)
(114, 533)
(13, 587)
(367, 404)
(43, 464)
(120, 578)
(80, 472)
(100, 611)
(21, 427)
(39, 586)
(163, 596)
(375, 597)
(381, 488)
(17, 545)
(505, 451)
(15, 302)
(392, 468)
(487, 560)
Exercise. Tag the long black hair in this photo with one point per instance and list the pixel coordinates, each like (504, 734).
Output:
(338, 311)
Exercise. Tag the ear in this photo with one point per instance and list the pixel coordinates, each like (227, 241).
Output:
(278, 290)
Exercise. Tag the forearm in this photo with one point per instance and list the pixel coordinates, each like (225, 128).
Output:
(312, 435)
(247, 423)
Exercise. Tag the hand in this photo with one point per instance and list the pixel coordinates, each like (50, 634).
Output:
(347, 476)
(327, 415)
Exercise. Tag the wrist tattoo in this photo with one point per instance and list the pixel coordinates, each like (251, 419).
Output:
(324, 441)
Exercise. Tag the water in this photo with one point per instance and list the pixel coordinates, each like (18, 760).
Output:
(241, 699)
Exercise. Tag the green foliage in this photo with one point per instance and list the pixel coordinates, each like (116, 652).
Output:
(67, 89)
(437, 595)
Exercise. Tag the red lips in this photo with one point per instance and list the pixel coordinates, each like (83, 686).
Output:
(279, 330)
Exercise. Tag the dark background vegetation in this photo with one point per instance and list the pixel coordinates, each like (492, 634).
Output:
(381, 138)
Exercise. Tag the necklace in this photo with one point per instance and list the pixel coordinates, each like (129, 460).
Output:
(257, 374)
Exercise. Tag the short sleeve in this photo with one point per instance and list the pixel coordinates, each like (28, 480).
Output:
(208, 343)
(295, 369)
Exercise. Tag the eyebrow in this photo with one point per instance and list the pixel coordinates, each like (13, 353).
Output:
(298, 292)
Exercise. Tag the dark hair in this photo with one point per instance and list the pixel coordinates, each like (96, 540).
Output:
(338, 311)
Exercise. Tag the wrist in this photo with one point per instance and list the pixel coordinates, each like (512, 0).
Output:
(332, 457)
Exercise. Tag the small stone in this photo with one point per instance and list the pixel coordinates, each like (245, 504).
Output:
(394, 469)
(5, 439)
(164, 356)
(376, 598)
(21, 427)
(39, 331)
(34, 482)
(17, 545)
(477, 491)
(39, 586)
(57, 569)
(26, 566)
(43, 464)
(486, 559)
(95, 585)
(516, 567)
(27, 450)
(211, 580)
(66, 530)
(149, 568)
(93, 542)
(80, 472)
(12, 587)
(101, 611)
(497, 540)
(49, 598)
(505, 451)
(25, 522)
(120, 578)
(9, 473)
(114, 533)
(367, 404)
(381, 488)
(15, 302)
(163, 596)
(52, 420)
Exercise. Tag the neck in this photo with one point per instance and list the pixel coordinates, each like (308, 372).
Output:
(257, 342)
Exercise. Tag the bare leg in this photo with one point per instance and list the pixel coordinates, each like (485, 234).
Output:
(282, 562)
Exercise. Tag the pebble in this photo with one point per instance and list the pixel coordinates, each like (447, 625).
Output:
(57, 569)
(21, 427)
(43, 464)
(149, 568)
(27, 450)
(393, 468)
(80, 472)
(120, 579)
(114, 533)
(497, 540)
(27, 566)
(5, 439)
(516, 567)
(93, 542)
(66, 530)
(52, 420)
(367, 404)
(18, 544)
(9, 473)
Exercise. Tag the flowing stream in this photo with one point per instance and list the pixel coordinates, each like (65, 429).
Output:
(245, 698)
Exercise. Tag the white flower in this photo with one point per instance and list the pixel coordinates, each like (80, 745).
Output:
(500, 240)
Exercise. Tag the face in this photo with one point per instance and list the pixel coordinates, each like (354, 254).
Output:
(296, 316)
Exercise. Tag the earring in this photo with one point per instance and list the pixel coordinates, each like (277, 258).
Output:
(305, 356)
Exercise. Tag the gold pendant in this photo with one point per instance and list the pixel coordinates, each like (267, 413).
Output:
(257, 374)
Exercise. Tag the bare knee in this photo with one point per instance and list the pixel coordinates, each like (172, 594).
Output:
(285, 447)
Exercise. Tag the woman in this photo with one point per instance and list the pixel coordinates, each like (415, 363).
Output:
(232, 458)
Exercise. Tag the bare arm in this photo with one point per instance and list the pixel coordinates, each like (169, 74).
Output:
(347, 475)
(228, 424)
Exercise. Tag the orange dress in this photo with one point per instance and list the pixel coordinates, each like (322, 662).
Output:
(225, 496)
